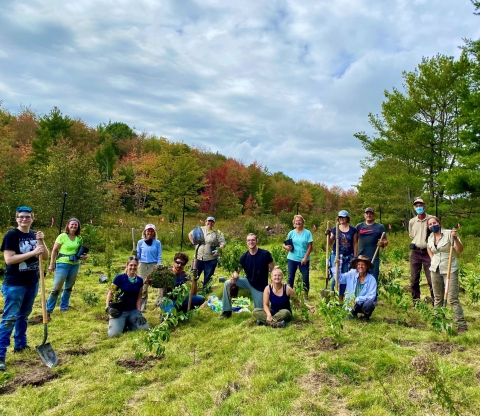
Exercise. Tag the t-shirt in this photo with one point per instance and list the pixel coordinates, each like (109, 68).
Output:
(256, 267)
(26, 272)
(300, 244)
(368, 236)
(128, 291)
(68, 247)
(346, 240)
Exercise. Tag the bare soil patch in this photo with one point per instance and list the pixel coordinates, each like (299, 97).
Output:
(35, 320)
(140, 364)
(77, 351)
(225, 392)
(314, 380)
(445, 348)
(35, 377)
(101, 317)
(322, 344)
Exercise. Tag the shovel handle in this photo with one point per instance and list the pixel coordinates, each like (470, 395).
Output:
(378, 248)
(337, 254)
(326, 252)
(449, 270)
(42, 289)
(133, 239)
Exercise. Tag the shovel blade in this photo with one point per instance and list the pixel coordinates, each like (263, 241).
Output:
(47, 354)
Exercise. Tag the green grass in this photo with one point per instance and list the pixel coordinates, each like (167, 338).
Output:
(234, 367)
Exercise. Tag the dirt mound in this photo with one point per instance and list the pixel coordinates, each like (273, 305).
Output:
(77, 351)
(35, 377)
(445, 348)
(35, 320)
(140, 364)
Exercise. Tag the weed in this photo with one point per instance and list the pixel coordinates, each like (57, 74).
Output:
(90, 298)
(471, 283)
(440, 318)
(299, 304)
(435, 382)
(334, 313)
(4, 377)
(231, 254)
(88, 272)
(96, 260)
(280, 258)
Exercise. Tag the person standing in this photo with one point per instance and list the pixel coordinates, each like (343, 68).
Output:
(299, 253)
(256, 262)
(369, 238)
(22, 248)
(149, 253)
(208, 254)
(438, 246)
(65, 262)
(348, 240)
(417, 230)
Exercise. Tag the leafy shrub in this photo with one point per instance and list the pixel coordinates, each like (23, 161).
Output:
(279, 256)
(90, 298)
(161, 276)
(334, 313)
(471, 283)
(230, 258)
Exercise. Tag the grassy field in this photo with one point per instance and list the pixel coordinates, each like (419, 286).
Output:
(396, 364)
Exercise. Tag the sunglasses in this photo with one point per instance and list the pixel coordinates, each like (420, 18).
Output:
(180, 263)
(132, 258)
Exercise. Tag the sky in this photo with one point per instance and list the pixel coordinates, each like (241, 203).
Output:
(285, 83)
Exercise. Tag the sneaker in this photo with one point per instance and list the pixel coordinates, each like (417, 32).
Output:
(26, 347)
(2, 364)
(279, 324)
(225, 315)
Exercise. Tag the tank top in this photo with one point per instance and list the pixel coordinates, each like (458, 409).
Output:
(278, 303)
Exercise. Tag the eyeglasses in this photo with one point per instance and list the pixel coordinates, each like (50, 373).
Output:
(24, 217)
(180, 263)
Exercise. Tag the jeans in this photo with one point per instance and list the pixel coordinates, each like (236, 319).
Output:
(419, 258)
(18, 305)
(128, 320)
(281, 315)
(345, 267)
(244, 284)
(438, 282)
(304, 270)
(366, 308)
(208, 268)
(65, 273)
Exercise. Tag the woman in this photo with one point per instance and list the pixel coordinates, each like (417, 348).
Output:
(299, 247)
(124, 300)
(149, 253)
(276, 302)
(207, 256)
(65, 262)
(348, 239)
(361, 288)
(438, 248)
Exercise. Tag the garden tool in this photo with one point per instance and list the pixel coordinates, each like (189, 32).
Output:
(134, 250)
(326, 292)
(198, 240)
(378, 248)
(46, 352)
(449, 270)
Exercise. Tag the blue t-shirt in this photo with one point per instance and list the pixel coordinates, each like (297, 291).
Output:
(256, 267)
(129, 291)
(26, 272)
(346, 241)
(368, 236)
(300, 244)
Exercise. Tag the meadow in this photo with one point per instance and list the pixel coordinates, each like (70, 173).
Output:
(398, 363)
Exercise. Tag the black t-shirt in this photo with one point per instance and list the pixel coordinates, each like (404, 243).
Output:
(26, 272)
(129, 291)
(256, 267)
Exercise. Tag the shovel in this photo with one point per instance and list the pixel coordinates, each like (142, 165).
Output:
(449, 270)
(134, 250)
(45, 351)
(198, 240)
(326, 292)
(378, 248)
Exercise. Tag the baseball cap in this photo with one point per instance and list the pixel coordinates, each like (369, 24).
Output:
(24, 208)
(343, 213)
(418, 200)
(211, 219)
(150, 226)
(369, 209)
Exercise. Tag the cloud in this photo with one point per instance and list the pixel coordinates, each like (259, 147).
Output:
(286, 83)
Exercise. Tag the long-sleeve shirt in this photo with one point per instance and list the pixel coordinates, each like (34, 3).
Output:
(368, 292)
(441, 253)
(149, 254)
(212, 239)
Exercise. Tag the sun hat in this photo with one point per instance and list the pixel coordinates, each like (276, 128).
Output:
(363, 258)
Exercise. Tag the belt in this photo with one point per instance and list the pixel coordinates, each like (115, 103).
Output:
(420, 249)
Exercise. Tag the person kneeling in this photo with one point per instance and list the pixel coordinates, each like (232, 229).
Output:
(276, 310)
(124, 301)
(361, 288)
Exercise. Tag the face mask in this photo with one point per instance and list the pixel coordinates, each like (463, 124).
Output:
(434, 228)
(419, 210)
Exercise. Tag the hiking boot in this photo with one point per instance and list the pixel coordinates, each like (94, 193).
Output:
(26, 347)
(225, 315)
(2, 364)
(279, 324)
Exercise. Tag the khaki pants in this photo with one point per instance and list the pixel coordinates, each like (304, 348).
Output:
(143, 270)
(282, 315)
(438, 283)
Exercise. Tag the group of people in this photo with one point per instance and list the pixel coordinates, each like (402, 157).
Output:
(127, 298)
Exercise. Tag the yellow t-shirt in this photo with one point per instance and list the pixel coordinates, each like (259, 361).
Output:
(67, 247)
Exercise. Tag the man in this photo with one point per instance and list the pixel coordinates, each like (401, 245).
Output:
(417, 230)
(369, 234)
(180, 260)
(208, 253)
(22, 248)
(256, 262)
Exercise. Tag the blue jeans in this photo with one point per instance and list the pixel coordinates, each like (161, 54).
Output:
(18, 305)
(304, 270)
(208, 268)
(345, 267)
(366, 308)
(64, 274)
(127, 321)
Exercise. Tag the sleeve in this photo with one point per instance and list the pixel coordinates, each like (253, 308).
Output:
(410, 224)
(369, 291)
(242, 261)
(269, 257)
(10, 241)
(117, 280)
(159, 260)
(61, 238)
(342, 277)
(354, 231)
(310, 237)
(139, 249)
(221, 239)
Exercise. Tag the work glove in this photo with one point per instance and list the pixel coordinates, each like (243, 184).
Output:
(140, 320)
(328, 232)
(114, 313)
